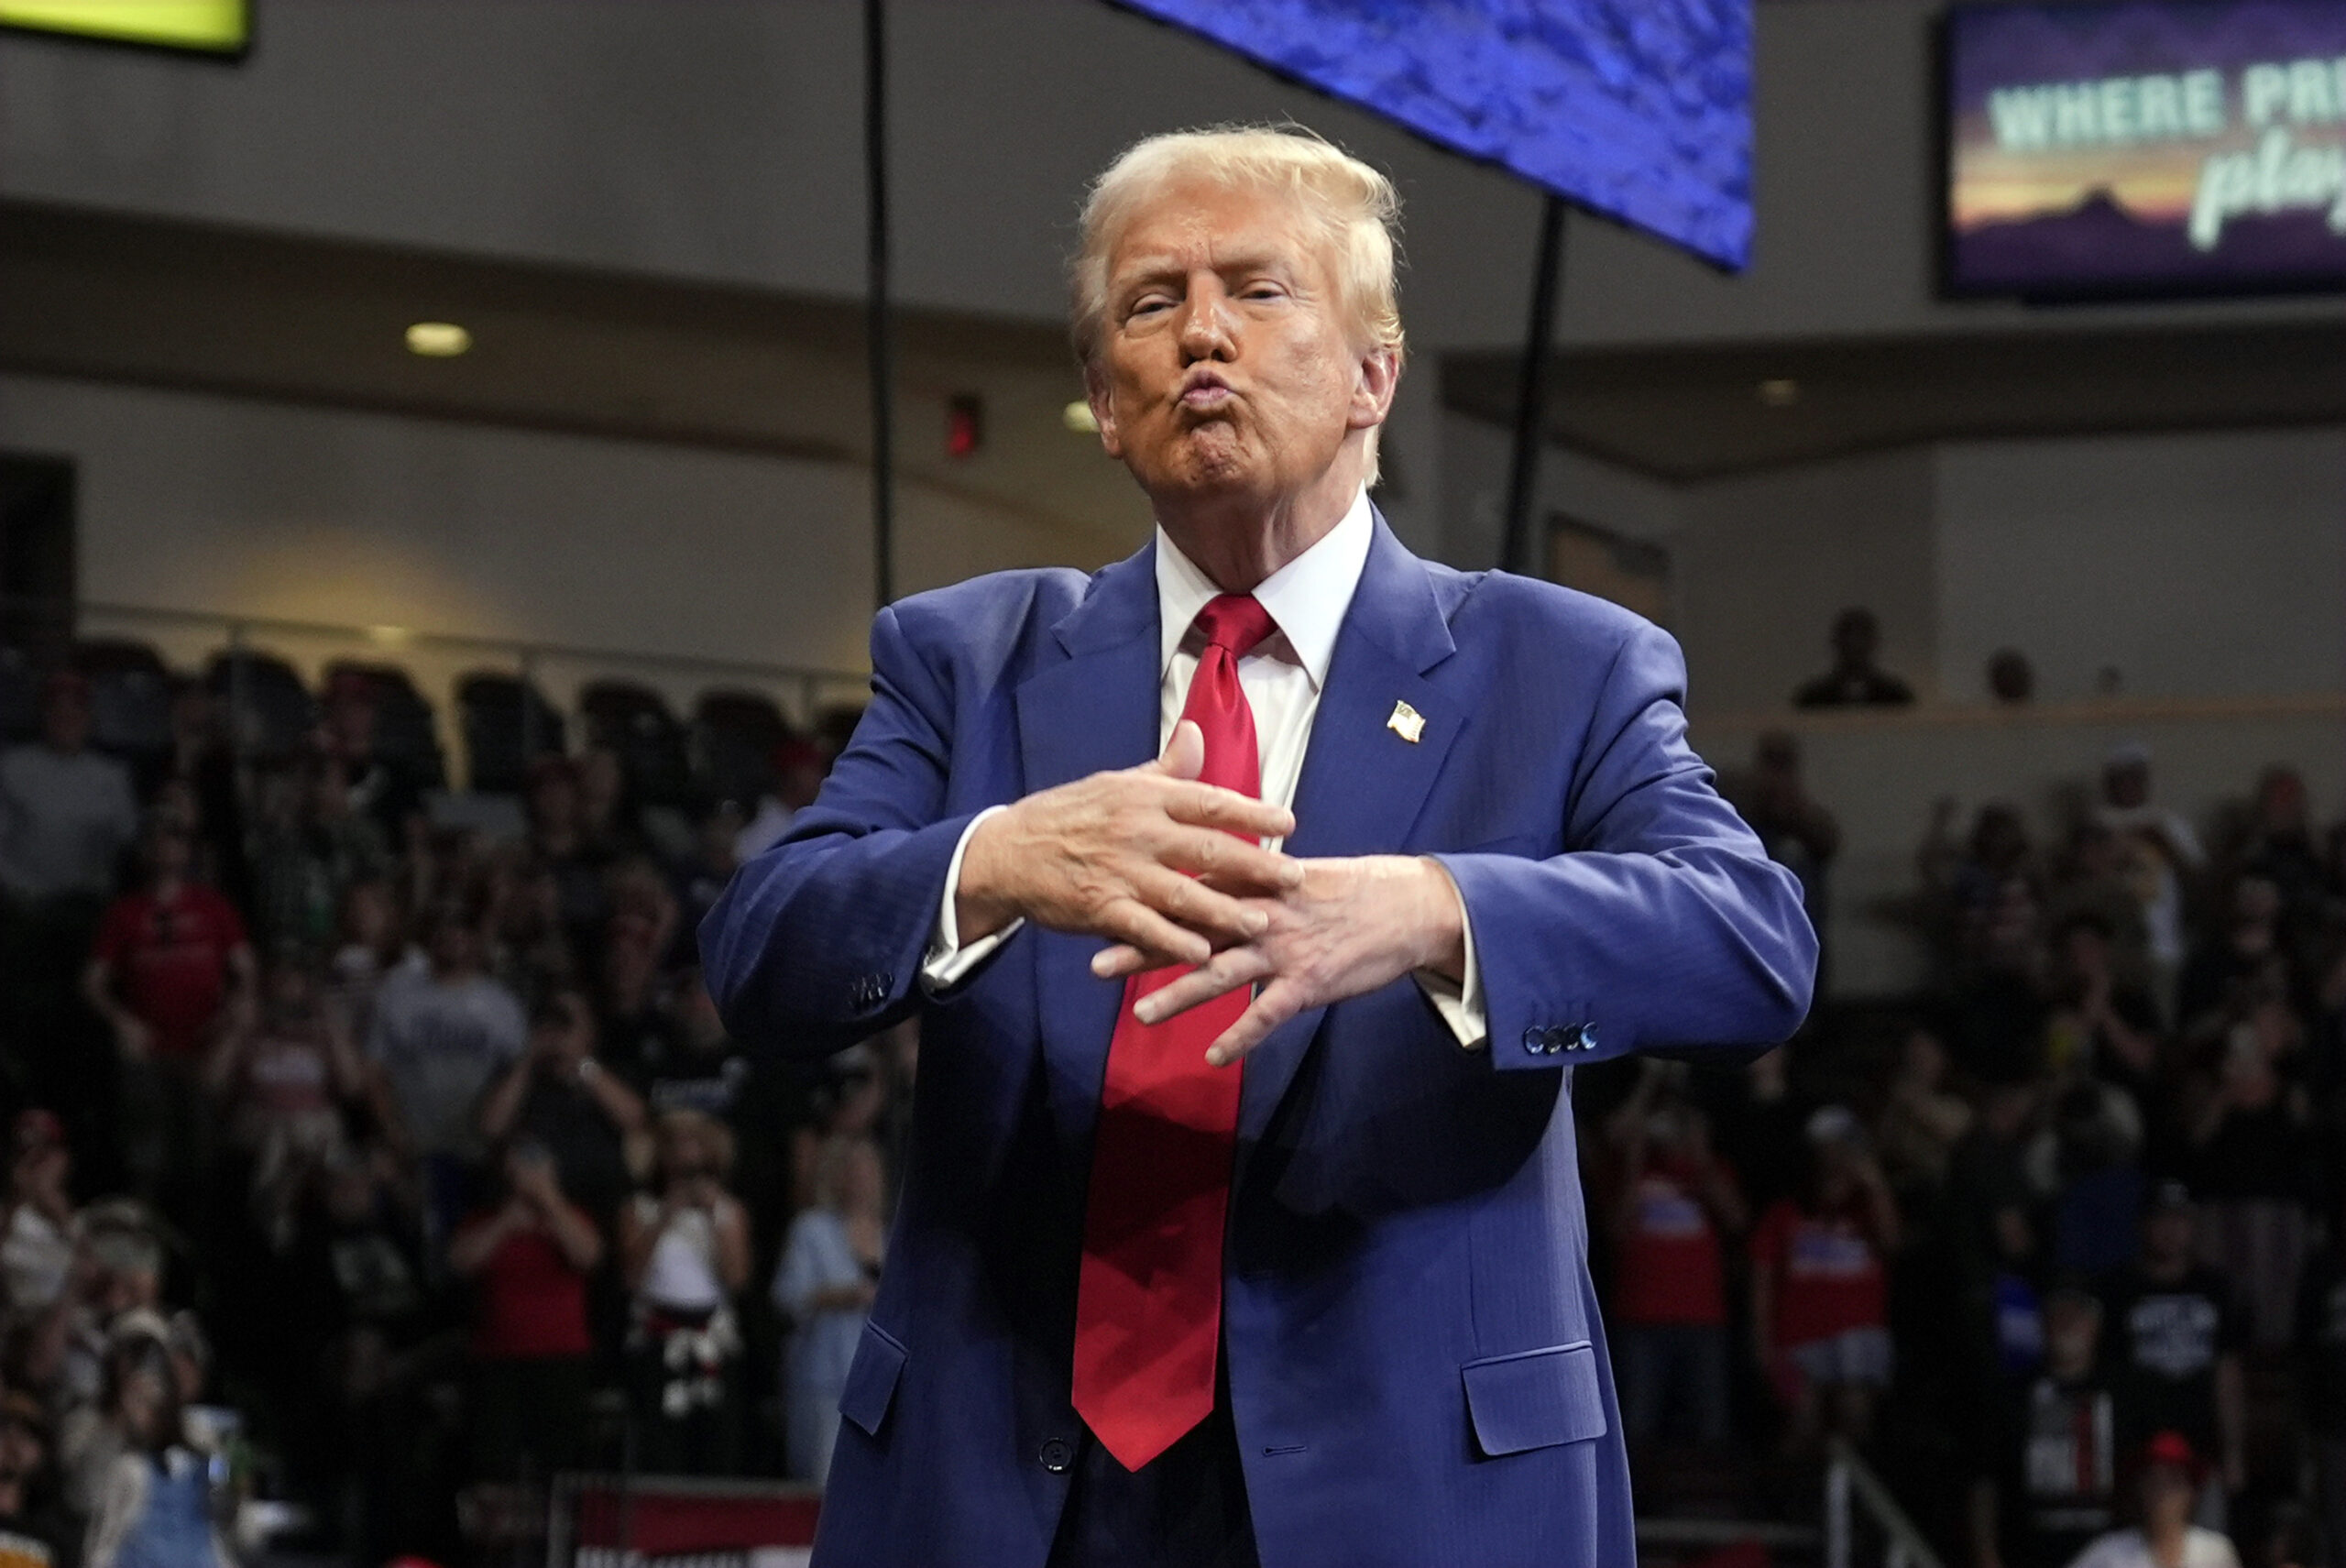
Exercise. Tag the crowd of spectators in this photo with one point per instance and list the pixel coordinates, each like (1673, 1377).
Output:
(2060, 1242)
(369, 1164)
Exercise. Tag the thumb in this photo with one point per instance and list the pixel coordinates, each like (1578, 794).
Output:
(1185, 753)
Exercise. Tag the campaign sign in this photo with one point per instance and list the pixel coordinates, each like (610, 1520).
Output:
(2148, 146)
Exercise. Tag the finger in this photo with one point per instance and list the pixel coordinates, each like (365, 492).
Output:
(1116, 962)
(1186, 902)
(1280, 1001)
(1224, 973)
(1124, 959)
(1130, 921)
(1185, 752)
(1232, 864)
(1210, 806)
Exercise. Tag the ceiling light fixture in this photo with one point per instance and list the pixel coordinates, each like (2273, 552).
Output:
(438, 340)
(1077, 417)
(1779, 392)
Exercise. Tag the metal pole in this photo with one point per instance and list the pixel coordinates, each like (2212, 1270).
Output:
(1836, 1513)
(876, 317)
(1517, 548)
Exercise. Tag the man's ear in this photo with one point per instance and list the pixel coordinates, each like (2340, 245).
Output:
(1380, 373)
(1103, 411)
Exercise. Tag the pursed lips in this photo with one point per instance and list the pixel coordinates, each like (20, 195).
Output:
(1204, 391)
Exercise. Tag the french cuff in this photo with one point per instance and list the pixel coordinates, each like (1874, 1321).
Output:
(1460, 1002)
(948, 963)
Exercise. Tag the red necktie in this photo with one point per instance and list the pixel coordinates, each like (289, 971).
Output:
(1149, 1304)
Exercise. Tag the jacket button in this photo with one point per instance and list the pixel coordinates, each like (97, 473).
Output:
(1535, 1039)
(1588, 1037)
(1551, 1040)
(1057, 1455)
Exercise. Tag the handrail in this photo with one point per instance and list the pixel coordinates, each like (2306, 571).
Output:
(1847, 1478)
(393, 638)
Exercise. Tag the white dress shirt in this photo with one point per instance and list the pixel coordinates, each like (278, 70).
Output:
(1282, 678)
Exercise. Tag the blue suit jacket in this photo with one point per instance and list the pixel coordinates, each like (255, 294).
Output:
(1416, 1371)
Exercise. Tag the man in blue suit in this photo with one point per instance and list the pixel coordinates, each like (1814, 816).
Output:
(1256, 895)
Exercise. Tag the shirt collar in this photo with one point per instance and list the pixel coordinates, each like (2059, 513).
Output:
(1307, 597)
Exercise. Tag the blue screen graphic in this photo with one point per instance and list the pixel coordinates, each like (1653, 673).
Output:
(1636, 109)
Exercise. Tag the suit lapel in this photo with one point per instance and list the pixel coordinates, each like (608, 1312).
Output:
(1363, 783)
(1095, 710)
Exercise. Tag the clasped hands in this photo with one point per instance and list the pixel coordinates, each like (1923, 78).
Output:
(1171, 871)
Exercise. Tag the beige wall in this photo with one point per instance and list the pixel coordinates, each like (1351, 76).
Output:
(242, 508)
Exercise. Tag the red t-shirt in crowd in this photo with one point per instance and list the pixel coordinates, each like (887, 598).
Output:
(1670, 1267)
(171, 959)
(1828, 1277)
(530, 1303)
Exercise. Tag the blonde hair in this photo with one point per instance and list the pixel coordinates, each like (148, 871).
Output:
(1356, 208)
(680, 1122)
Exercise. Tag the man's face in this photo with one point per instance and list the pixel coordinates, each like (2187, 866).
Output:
(1225, 367)
(65, 719)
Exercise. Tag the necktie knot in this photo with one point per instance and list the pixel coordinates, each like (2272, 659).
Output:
(1236, 621)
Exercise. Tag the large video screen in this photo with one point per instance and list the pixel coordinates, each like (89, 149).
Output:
(2175, 146)
(204, 26)
(1637, 110)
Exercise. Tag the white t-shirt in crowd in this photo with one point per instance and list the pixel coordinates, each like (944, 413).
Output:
(440, 1043)
(64, 821)
(682, 1271)
(2127, 1549)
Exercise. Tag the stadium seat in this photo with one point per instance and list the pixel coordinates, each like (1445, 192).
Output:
(405, 735)
(270, 710)
(634, 722)
(734, 734)
(507, 724)
(130, 698)
(19, 698)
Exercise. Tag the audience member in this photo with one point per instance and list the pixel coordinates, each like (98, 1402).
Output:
(1921, 1122)
(290, 1083)
(37, 1226)
(2012, 679)
(309, 844)
(442, 1031)
(2056, 1490)
(152, 1503)
(2170, 1473)
(529, 1253)
(1675, 1210)
(824, 1284)
(684, 1253)
(1797, 833)
(67, 812)
(2160, 855)
(2172, 1336)
(170, 968)
(383, 790)
(35, 1530)
(1855, 679)
(368, 945)
(2319, 1336)
(1819, 1303)
(557, 1096)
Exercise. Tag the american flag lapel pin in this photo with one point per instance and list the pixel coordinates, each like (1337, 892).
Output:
(1408, 723)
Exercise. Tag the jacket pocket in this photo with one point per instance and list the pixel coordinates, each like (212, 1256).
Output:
(871, 1378)
(1535, 1399)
